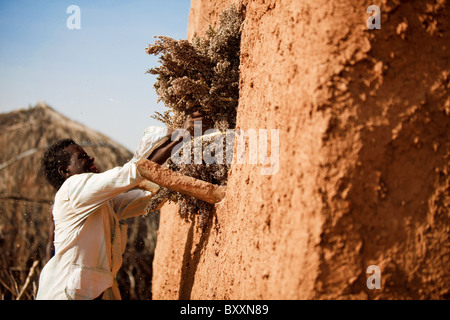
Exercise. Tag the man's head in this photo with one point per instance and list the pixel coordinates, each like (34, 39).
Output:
(64, 159)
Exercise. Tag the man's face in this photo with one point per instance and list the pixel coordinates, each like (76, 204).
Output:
(80, 161)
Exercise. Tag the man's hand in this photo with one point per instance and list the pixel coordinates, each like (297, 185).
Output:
(196, 116)
(163, 152)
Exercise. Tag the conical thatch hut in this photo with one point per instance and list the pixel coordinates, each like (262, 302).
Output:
(26, 198)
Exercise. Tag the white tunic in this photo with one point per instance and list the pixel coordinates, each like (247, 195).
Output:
(89, 238)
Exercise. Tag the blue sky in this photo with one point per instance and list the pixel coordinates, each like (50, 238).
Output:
(94, 75)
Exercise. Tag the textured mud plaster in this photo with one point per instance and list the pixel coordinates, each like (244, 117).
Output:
(363, 176)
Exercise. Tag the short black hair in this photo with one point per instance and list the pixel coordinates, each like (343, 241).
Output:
(55, 157)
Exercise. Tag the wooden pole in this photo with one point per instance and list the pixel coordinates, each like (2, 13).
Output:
(180, 183)
(28, 280)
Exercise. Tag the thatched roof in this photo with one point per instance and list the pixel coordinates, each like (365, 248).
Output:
(25, 195)
(27, 133)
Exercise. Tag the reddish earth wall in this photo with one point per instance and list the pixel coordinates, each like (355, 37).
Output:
(363, 119)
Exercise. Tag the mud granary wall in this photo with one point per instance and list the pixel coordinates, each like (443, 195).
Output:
(363, 119)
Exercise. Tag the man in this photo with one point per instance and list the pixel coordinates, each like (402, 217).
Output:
(89, 238)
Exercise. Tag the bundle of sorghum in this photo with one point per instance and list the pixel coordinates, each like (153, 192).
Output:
(199, 75)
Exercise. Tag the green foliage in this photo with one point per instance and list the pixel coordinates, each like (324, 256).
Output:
(199, 75)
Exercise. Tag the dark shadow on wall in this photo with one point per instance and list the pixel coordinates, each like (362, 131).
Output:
(191, 259)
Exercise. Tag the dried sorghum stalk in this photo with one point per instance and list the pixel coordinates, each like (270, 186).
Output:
(202, 74)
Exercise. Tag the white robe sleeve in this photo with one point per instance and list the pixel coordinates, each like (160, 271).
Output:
(88, 191)
(131, 203)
